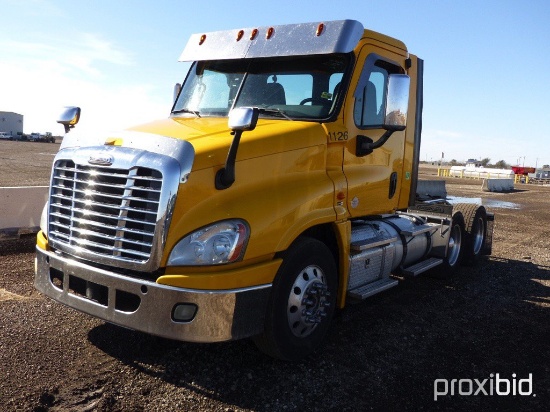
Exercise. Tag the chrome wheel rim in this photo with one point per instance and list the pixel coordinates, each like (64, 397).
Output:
(478, 236)
(308, 301)
(455, 244)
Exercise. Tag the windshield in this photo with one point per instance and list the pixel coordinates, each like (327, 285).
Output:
(299, 87)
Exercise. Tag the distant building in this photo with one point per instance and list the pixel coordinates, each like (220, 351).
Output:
(11, 123)
(473, 163)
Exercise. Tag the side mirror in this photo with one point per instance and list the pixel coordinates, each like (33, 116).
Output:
(243, 118)
(69, 117)
(395, 116)
(397, 102)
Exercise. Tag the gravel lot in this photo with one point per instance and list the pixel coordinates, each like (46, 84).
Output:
(26, 163)
(382, 354)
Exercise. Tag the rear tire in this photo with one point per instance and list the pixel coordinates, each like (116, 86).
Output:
(302, 302)
(475, 218)
(455, 245)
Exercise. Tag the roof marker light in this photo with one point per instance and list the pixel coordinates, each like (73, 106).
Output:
(240, 35)
(253, 34)
(320, 29)
(203, 38)
(269, 33)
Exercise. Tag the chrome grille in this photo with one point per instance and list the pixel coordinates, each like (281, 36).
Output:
(106, 211)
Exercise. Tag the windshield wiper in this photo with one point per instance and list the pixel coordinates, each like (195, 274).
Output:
(274, 111)
(195, 112)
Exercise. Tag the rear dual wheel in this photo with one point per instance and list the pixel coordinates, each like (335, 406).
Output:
(302, 302)
(456, 243)
(467, 238)
(475, 218)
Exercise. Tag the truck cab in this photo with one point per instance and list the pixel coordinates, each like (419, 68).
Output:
(281, 187)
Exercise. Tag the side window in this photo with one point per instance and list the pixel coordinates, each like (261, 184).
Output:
(370, 96)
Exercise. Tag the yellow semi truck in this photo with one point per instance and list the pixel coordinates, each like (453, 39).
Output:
(281, 188)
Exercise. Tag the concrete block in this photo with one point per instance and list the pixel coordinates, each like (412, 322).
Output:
(497, 185)
(21, 209)
(431, 189)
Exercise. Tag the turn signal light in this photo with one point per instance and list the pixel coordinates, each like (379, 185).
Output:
(320, 29)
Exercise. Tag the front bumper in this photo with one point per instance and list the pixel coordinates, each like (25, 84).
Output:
(148, 306)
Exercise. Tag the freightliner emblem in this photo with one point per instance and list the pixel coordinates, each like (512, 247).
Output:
(101, 159)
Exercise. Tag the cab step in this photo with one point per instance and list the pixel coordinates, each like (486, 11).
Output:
(363, 292)
(422, 266)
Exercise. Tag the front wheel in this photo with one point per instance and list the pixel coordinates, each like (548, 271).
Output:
(302, 302)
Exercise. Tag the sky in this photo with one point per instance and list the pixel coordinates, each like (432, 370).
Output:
(485, 82)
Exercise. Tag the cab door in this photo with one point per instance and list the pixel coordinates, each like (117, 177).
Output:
(374, 180)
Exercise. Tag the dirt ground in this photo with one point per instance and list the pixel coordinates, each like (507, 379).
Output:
(26, 163)
(383, 354)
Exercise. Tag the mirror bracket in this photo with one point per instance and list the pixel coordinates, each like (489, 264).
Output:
(225, 177)
(365, 145)
(240, 120)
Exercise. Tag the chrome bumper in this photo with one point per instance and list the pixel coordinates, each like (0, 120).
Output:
(149, 307)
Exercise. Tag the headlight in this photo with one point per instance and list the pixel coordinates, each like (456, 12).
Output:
(222, 242)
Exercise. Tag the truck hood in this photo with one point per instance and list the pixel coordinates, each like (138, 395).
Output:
(211, 137)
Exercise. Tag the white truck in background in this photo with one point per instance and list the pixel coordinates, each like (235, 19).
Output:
(37, 137)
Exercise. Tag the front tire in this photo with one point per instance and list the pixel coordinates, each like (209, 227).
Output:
(302, 302)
